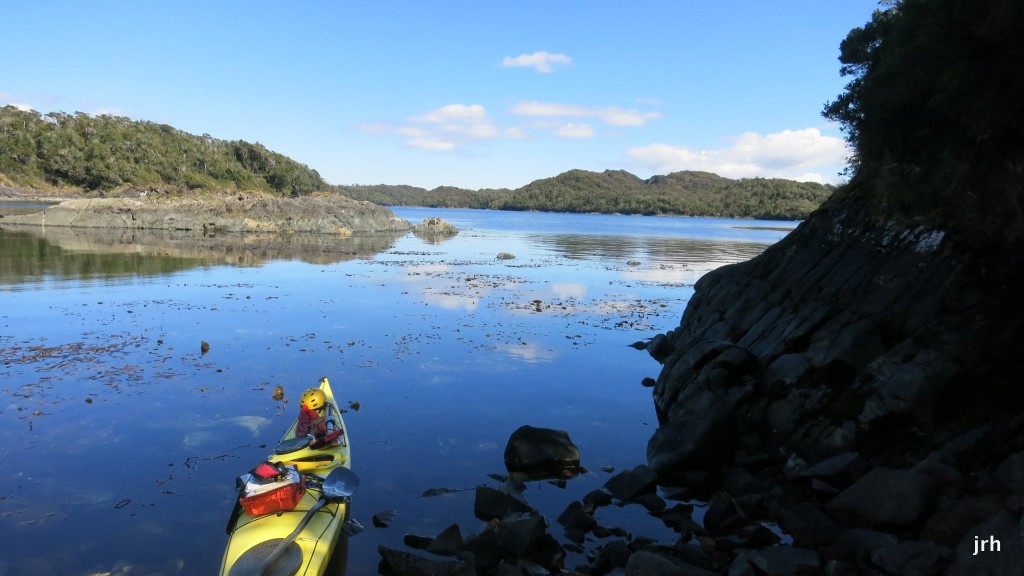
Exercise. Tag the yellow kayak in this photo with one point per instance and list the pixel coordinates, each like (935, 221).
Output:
(253, 539)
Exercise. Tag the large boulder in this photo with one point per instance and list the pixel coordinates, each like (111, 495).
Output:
(885, 498)
(541, 452)
(700, 436)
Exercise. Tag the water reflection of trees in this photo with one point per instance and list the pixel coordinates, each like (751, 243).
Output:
(648, 249)
(28, 254)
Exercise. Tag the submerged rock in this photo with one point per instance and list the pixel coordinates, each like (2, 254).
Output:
(515, 540)
(400, 562)
(576, 521)
(629, 484)
(383, 518)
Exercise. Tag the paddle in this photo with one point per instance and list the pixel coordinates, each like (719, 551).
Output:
(338, 485)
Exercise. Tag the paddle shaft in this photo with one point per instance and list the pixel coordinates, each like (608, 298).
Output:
(291, 537)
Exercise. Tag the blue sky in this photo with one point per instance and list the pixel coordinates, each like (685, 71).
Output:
(465, 93)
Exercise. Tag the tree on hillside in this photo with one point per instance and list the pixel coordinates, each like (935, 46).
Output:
(103, 153)
(935, 115)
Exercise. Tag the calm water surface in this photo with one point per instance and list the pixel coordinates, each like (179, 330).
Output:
(122, 440)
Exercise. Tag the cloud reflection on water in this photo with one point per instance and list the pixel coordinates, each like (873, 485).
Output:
(450, 300)
(530, 352)
(564, 290)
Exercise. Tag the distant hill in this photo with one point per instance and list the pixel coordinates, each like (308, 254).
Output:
(105, 153)
(616, 191)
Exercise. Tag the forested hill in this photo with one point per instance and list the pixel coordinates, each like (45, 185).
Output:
(109, 154)
(105, 153)
(617, 191)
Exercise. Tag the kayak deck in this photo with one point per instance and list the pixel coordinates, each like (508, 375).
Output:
(317, 540)
(320, 536)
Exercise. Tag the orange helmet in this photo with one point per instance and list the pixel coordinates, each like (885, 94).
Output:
(314, 399)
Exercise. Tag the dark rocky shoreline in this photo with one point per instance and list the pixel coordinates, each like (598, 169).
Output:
(853, 385)
(856, 384)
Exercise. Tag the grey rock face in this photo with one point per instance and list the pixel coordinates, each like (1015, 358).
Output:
(249, 212)
(842, 337)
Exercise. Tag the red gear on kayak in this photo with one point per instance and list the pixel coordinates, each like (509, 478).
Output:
(310, 422)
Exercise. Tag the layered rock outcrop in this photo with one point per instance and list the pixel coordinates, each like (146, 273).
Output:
(211, 214)
(855, 377)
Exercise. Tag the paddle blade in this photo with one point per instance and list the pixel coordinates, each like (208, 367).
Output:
(340, 483)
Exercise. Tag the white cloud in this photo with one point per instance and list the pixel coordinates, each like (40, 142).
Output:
(408, 131)
(611, 115)
(571, 130)
(375, 128)
(515, 133)
(22, 107)
(444, 129)
(540, 61)
(453, 126)
(459, 119)
(549, 109)
(619, 117)
(453, 112)
(434, 144)
(793, 154)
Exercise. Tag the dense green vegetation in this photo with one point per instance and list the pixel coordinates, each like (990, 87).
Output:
(689, 193)
(104, 153)
(935, 113)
